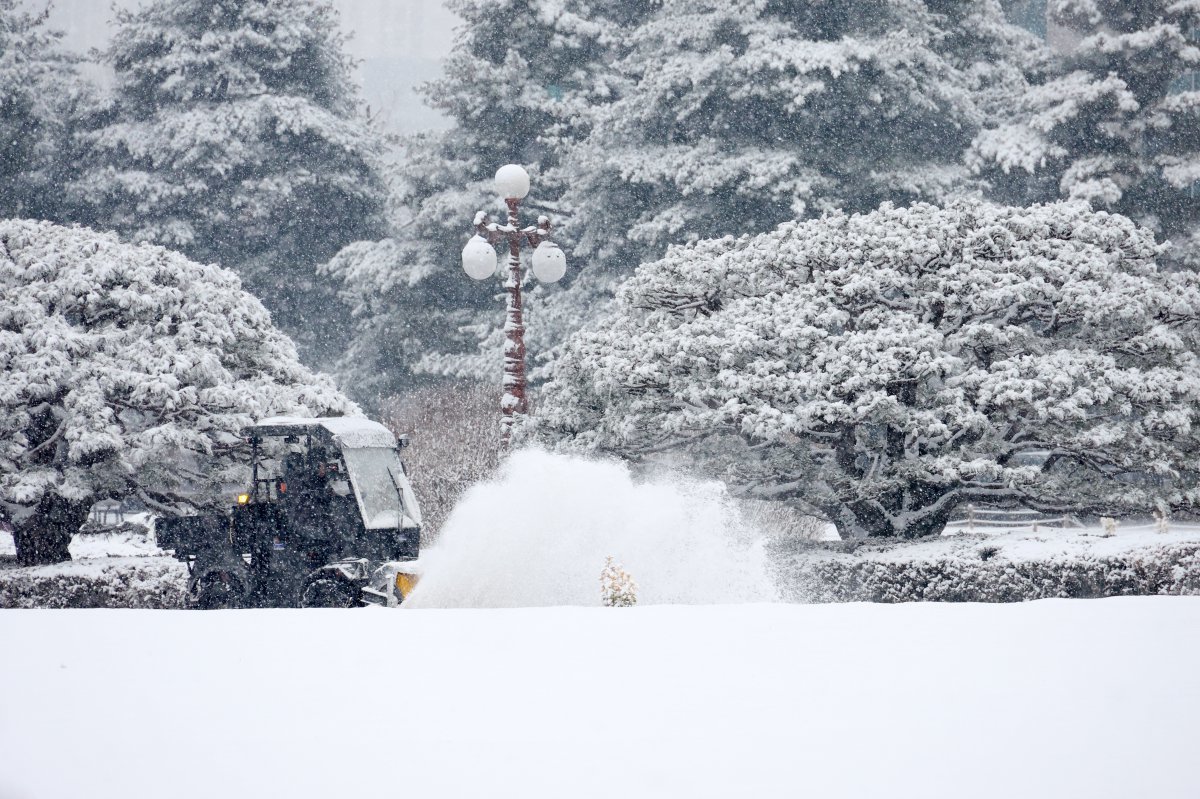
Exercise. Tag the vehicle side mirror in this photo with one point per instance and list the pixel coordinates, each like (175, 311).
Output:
(402, 442)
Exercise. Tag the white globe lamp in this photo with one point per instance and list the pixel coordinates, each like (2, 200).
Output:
(512, 182)
(549, 262)
(479, 258)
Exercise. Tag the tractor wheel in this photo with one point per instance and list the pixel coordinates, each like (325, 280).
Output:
(328, 592)
(218, 591)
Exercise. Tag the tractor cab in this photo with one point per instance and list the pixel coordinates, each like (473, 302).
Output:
(340, 471)
(329, 507)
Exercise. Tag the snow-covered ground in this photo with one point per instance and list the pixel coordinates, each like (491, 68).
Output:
(1059, 698)
(497, 680)
(86, 546)
(1027, 544)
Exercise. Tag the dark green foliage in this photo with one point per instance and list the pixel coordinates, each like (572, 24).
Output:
(1114, 119)
(39, 92)
(235, 137)
(517, 93)
(149, 582)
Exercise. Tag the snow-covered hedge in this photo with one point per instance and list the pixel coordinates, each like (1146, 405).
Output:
(982, 569)
(151, 582)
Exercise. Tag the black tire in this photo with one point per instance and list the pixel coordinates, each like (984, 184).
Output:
(330, 592)
(218, 591)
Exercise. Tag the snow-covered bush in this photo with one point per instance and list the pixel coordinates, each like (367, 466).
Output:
(235, 135)
(881, 369)
(617, 588)
(1161, 522)
(128, 370)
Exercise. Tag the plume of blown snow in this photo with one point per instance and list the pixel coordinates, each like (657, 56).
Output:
(539, 534)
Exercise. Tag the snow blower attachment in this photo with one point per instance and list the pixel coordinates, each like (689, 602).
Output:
(330, 520)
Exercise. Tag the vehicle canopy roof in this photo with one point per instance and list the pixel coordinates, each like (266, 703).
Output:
(345, 432)
(384, 495)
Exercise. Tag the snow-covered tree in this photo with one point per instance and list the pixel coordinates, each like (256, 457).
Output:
(128, 370)
(668, 121)
(1115, 121)
(235, 136)
(880, 369)
(519, 85)
(722, 117)
(38, 87)
(737, 115)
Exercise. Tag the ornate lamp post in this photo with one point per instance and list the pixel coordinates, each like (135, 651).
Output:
(479, 261)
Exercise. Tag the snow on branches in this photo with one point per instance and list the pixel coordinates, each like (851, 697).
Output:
(735, 116)
(130, 370)
(235, 135)
(38, 89)
(1113, 120)
(883, 368)
(517, 94)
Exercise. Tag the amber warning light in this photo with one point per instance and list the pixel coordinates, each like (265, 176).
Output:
(243, 499)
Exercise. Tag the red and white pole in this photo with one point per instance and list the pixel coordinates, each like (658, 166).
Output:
(479, 261)
(513, 403)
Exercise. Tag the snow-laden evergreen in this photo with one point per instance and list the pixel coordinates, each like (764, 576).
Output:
(38, 90)
(881, 369)
(520, 85)
(129, 370)
(235, 136)
(737, 116)
(646, 124)
(1116, 121)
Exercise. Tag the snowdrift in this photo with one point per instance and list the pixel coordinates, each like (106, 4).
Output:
(1058, 698)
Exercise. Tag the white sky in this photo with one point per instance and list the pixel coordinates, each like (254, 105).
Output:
(399, 44)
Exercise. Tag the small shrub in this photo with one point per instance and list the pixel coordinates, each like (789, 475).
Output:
(617, 588)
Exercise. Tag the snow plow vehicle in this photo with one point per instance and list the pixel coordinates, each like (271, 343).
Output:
(329, 520)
